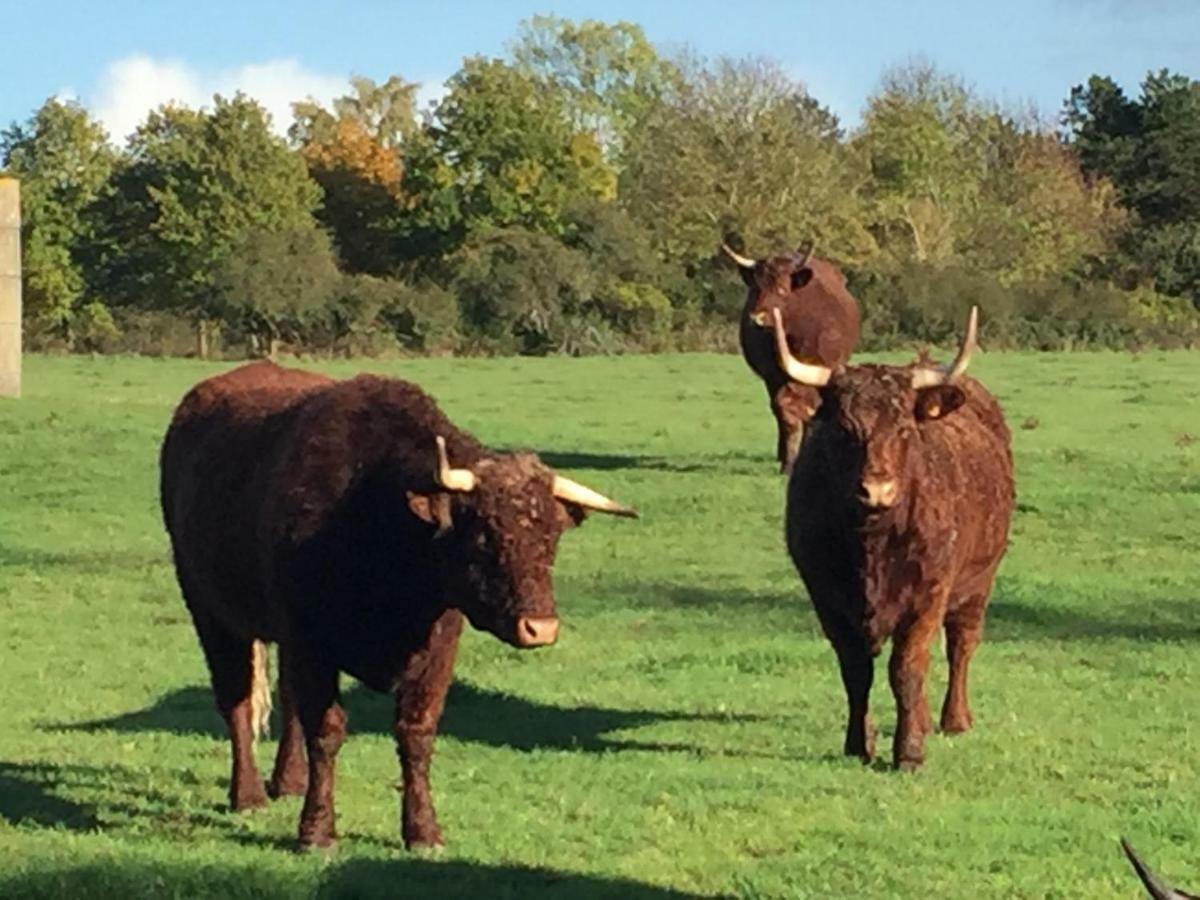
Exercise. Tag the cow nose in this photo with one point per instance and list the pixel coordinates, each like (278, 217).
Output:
(537, 631)
(879, 493)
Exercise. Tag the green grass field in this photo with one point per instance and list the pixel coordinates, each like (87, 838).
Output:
(683, 738)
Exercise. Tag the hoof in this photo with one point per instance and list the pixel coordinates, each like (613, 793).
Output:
(286, 788)
(317, 848)
(249, 801)
(427, 841)
(956, 724)
(909, 765)
(425, 848)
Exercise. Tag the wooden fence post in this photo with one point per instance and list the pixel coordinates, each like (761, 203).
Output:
(10, 287)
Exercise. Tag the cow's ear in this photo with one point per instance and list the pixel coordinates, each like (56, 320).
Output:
(801, 277)
(570, 514)
(433, 509)
(938, 402)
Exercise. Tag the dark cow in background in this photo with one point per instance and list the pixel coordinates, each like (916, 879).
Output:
(820, 318)
(897, 518)
(353, 523)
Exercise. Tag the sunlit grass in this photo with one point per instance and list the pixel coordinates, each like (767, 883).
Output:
(684, 734)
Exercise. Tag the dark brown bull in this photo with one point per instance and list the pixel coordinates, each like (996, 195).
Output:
(897, 518)
(821, 320)
(328, 517)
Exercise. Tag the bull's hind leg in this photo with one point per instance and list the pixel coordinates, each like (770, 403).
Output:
(290, 775)
(419, 703)
(238, 671)
(964, 630)
(318, 705)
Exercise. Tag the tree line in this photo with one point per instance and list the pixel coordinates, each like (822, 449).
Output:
(571, 198)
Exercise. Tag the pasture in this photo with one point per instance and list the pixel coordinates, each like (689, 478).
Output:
(684, 736)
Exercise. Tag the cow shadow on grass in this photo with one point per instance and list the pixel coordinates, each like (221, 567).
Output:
(29, 795)
(1009, 619)
(133, 879)
(473, 715)
(732, 463)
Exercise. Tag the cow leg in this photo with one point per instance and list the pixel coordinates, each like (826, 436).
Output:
(858, 671)
(419, 703)
(290, 776)
(907, 670)
(790, 430)
(323, 720)
(964, 630)
(231, 666)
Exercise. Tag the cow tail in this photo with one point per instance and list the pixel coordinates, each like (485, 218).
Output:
(260, 690)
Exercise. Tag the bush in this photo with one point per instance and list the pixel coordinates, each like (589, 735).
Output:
(518, 292)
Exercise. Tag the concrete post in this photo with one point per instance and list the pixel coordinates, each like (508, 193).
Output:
(10, 287)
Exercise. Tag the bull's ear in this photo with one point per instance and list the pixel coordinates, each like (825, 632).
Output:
(570, 514)
(433, 509)
(801, 277)
(939, 401)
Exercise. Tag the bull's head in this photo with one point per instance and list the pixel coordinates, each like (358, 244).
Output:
(872, 415)
(772, 281)
(497, 527)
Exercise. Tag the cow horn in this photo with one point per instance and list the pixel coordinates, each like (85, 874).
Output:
(804, 253)
(931, 377)
(744, 261)
(574, 492)
(460, 480)
(804, 373)
(1154, 885)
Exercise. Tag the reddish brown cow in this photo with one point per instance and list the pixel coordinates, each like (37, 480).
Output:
(897, 518)
(327, 516)
(821, 320)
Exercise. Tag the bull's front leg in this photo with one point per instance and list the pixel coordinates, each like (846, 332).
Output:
(792, 406)
(420, 699)
(319, 709)
(907, 670)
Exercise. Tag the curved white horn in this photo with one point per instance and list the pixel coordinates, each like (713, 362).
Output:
(923, 378)
(805, 373)
(461, 480)
(574, 492)
(1154, 885)
(744, 261)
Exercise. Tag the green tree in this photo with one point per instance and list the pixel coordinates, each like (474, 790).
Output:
(195, 186)
(609, 75)
(526, 292)
(275, 282)
(64, 162)
(926, 138)
(501, 153)
(1150, 148)
(740, 147)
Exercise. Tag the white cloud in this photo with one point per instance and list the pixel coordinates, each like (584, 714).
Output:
(131, 87)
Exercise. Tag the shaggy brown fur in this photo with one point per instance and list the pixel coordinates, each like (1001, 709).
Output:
(306, 512)
(821, 319)
(925, 559)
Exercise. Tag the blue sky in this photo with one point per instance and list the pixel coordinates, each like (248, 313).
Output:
(120, 57)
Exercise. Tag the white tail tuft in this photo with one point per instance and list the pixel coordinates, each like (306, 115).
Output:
(260, 690)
